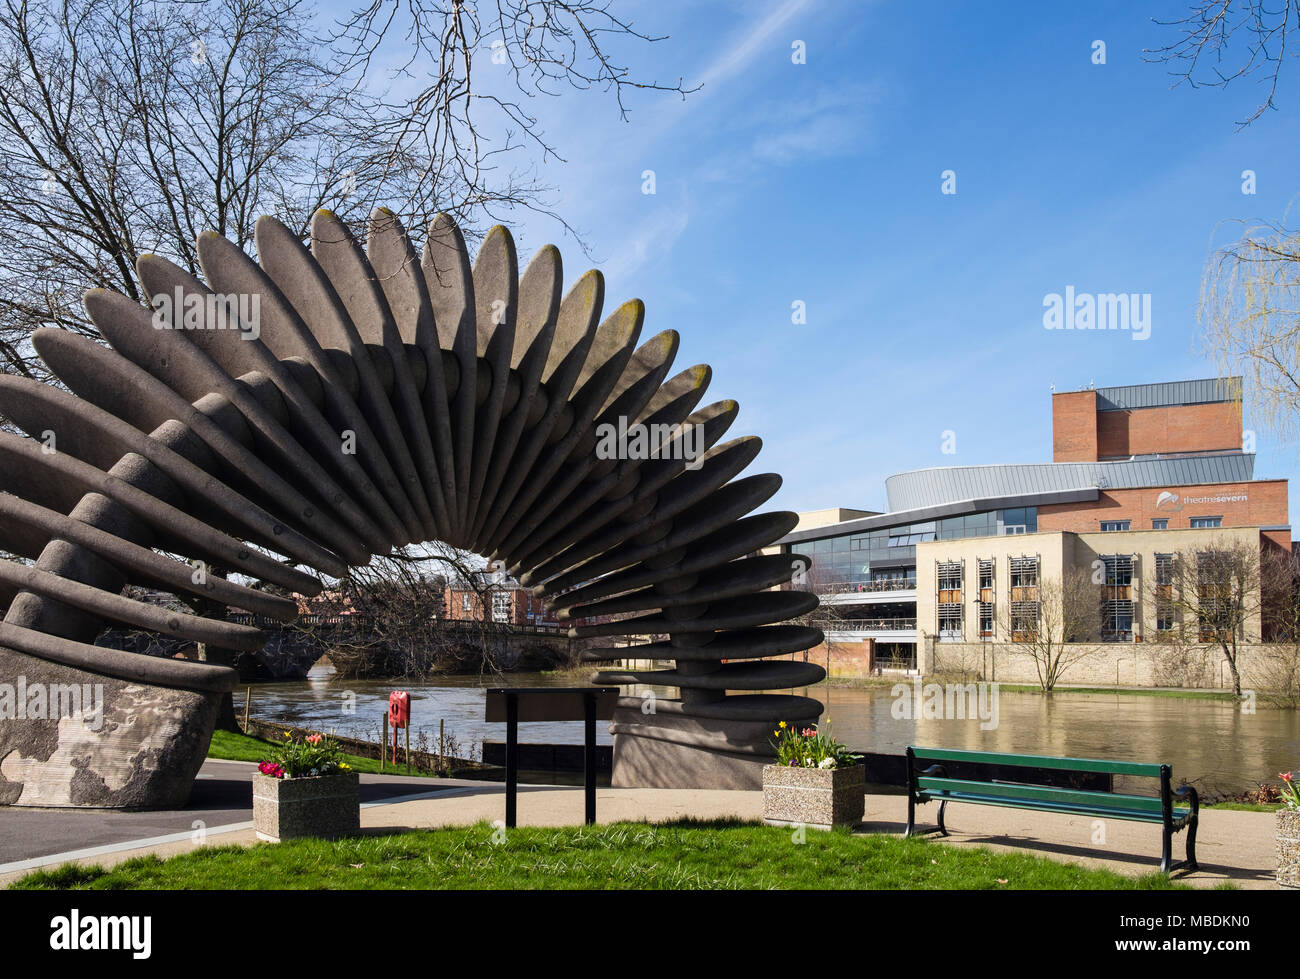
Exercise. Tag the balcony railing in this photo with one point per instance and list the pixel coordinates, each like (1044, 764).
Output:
(865, 587)
(870, 625)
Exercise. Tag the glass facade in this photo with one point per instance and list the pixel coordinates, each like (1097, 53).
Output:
(857, 558)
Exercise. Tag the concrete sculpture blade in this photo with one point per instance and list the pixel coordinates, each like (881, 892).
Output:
(293, 417)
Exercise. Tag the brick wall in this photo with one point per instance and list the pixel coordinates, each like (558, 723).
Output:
(1074, 427)
(1171, 428)
(1265, 504)
(522, 603)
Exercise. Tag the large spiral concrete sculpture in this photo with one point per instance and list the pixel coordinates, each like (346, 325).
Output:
(294, 418)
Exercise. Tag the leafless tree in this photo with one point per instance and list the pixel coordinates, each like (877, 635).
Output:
(1277, 672)
(394, 620)
(1060, 636)
(129, 126)
(1222, 41)
(1217, 599)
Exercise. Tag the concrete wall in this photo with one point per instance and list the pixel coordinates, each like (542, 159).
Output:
(811, 519)
(1263, 667)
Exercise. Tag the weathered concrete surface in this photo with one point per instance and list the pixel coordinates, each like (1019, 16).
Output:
(142, 751)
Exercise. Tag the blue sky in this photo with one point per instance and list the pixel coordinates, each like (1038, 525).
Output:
(820, 182)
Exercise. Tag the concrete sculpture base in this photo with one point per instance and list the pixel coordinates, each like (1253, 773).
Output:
(669, 749)
(98, 741)
(295, 415)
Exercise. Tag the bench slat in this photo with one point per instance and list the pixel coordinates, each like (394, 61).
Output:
(1041, 793)
(1180, 816)
(1038, 761)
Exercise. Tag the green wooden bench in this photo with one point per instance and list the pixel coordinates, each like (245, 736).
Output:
(928, 781)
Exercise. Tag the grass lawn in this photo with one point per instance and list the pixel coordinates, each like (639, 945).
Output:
(684, 855)
(229, 746)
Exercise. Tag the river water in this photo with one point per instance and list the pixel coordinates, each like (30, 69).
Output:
(1213, 743)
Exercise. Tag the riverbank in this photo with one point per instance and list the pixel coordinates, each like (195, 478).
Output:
(889, 682)
(261, 737)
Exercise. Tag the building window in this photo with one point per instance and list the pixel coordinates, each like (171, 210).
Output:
(948, 574)
(950, 622)
(1119, 570)
(1160, 523)
(1218, 605)
(1164, 570)
(1206, 523)
(1111, 525)
(501, 606)
(466, 602)
(1117, 598)
(986, 597)
(1024, 572)
(1164, 615)
(1024, 599)
(1117, 621)
(1165, 621)
(1024, 621)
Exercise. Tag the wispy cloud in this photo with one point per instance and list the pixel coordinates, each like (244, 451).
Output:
(651, 238)
(739, 55)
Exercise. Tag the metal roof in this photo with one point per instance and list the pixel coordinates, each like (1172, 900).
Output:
(953, 508)
(937, 487)
(1204, 391)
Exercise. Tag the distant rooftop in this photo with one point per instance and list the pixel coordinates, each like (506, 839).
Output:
(829, 516)
(1210, 390)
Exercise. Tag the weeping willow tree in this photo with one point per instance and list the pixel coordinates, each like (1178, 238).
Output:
(1250, 316)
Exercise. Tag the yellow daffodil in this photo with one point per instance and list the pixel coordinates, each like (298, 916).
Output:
(783, 724)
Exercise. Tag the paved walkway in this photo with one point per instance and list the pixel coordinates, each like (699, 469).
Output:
(1233, 846)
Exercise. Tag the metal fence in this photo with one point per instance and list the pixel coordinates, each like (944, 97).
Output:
(865, 587)
(870, 625)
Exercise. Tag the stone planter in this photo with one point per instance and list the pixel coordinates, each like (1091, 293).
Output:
(1288, 848)
(289, 808)
(816, 797)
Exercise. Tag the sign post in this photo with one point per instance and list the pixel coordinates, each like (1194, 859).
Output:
(586, 704)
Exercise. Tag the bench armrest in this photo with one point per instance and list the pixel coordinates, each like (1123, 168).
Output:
(938, 771)
(1187, 792)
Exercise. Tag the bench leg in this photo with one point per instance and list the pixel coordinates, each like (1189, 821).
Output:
(1166, 849)
(911, 815)
(942, 807)
(1191, 846)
